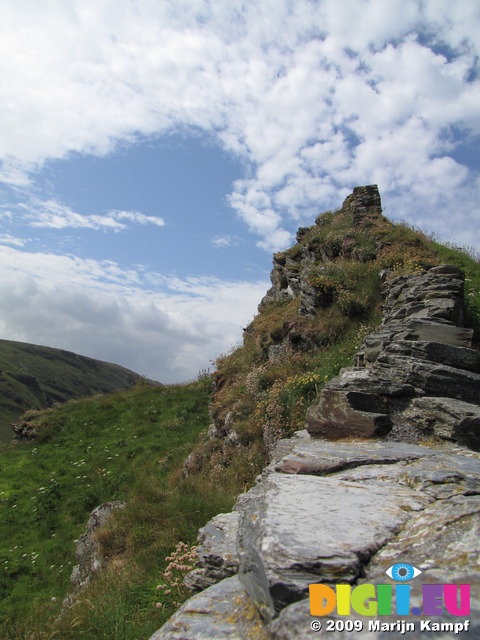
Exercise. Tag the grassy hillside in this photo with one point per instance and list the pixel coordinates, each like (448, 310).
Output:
(150, 446)
(35, 377)
(126, 446)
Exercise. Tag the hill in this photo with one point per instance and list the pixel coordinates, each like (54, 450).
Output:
(36, 377)
(326, 296)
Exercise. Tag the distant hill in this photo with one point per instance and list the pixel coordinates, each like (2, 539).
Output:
(35, 377)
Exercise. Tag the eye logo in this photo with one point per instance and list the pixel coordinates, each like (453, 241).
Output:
(402, 572)
(377, 600)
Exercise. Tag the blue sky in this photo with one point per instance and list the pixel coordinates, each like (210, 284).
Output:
(154, 154)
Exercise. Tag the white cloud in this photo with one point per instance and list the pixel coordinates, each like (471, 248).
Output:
(169, 333)
(315, 97)
(272, 79)
(54, 215)
(6, 238)
(136, 216)
(222, 241)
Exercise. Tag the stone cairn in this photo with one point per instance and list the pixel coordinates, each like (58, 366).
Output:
(387, 471)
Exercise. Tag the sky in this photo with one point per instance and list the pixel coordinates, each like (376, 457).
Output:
(155, 153)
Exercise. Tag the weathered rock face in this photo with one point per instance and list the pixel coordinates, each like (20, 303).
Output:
(223, 611)
(279, 558)
(339, 512)
(217, 552)
(358, 492)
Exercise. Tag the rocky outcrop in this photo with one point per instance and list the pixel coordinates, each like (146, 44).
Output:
(338, 512)
(364, 204)
(290, 273)
(89, 557)
(388, 471)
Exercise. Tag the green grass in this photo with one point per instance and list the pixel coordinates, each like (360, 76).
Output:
(126, 446)
(34, 377)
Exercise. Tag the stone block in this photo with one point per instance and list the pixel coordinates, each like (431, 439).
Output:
(434, 379)
(452, 356)
(216, 551)
(333, 416)
(446, 418)
(224, 610)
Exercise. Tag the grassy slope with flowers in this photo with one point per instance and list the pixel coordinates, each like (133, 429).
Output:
(132, 446)
(125, 446)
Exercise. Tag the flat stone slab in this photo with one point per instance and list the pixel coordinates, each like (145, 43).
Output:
(221, 611)
(442, 542)
(440, 475)
(321, 457)
(298, 529)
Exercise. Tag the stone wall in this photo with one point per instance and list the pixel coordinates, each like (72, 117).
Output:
(386, 472)
(416, 376)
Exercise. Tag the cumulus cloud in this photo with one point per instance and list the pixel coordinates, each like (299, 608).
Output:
(310, 94)
(168, 332)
